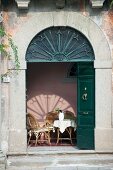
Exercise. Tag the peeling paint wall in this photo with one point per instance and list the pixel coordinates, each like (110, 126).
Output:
(14, 19)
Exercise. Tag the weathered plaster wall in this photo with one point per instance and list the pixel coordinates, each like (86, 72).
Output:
(14, 20)
(2, 157)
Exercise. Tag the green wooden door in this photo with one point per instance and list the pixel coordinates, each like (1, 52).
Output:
(86, 106)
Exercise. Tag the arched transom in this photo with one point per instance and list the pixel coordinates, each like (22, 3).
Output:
(56, 44)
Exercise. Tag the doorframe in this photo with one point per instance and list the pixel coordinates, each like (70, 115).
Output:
(103, 72)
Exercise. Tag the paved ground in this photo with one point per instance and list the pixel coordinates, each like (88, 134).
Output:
(60, 159)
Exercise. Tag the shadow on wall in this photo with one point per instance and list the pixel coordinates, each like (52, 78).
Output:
(40, 105)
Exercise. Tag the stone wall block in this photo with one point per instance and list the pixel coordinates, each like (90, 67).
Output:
(35, 24)
(104, 140)
(103, 98)
(17, 118)
(91, 30)
(17, 141)
(60, 18)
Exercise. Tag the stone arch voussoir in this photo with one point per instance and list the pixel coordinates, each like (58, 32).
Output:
(85, 25)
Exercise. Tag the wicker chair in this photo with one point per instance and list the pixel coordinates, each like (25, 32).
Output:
(51, 116)
(69, 115)
(49, 120)
(34, 128)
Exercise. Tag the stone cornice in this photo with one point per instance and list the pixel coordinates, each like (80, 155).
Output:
(23, 4)
(97, 3)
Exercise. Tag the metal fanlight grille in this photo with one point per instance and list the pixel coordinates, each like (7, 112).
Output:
(57, 44)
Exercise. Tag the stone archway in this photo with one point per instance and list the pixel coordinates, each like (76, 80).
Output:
(102, 64)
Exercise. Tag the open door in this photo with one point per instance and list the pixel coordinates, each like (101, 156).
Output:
(86, 106)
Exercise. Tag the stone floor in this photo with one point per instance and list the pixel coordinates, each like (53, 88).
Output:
(59, 158)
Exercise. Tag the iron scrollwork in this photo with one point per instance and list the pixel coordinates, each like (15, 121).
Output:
(59, 44)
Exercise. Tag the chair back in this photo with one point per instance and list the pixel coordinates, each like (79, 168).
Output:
(51, 116)
(32, 122)
(69, 115)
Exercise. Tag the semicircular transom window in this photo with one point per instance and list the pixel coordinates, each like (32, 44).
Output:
(57, 44)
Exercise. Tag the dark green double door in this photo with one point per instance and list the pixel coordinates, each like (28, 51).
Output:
(86, 106)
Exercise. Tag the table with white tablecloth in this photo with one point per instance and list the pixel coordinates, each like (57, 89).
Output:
(66, 124)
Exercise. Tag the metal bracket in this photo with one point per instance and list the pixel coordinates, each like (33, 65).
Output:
(97, 3)
(22, 4)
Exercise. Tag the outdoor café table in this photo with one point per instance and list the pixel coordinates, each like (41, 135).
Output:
(62, 125)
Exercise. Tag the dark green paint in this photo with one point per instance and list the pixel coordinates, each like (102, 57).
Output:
(85, 138)
(86, 106)
(59, 44)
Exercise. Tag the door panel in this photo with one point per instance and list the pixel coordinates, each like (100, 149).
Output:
(85, 121)
(86, 111)
(86, 89)
(85, 138)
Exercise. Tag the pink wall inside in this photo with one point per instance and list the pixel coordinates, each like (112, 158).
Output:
(48, 89)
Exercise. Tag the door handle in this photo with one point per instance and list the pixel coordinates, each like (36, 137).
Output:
(84, 96)
(85, 113)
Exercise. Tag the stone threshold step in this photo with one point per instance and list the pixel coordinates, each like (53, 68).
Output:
(77, 167)
(47, 160)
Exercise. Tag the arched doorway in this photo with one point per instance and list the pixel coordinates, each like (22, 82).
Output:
(67, 45)
(103, 69)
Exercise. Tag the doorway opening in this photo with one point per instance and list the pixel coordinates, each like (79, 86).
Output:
(68, 87)
(50, 87)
